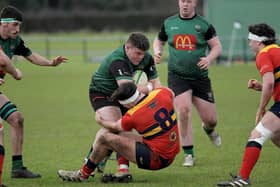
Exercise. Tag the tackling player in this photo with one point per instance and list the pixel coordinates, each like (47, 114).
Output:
(117, 68)
(262, 42)
(157, 143)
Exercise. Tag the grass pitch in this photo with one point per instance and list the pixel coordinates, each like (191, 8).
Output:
(60, 126)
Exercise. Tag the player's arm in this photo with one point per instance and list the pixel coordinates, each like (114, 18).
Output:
(113, 126)
(42, 61)
(7, 66)
(158, 44)
(215, 48)
(267, 91)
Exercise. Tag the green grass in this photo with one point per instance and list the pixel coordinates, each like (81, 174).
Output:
(60, 126)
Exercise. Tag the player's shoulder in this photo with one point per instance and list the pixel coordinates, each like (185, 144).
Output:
(172, 18)
(202, 19)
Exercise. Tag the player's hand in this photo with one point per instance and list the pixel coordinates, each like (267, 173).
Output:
(204, 63)
(157, 58)
(2, 81)
(18, 75)
(254, 84)
(58, 60)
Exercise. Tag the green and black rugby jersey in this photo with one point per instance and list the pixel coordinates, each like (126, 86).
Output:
(117, 66)
(187, 41)
(13, 47)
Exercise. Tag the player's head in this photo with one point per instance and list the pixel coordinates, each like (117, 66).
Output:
(136, 46)
(262, 32)
(127, 94)
(10, 14)
(187, 8)
(11, 19)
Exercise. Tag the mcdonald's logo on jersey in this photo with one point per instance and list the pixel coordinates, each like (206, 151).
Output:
(185, 42)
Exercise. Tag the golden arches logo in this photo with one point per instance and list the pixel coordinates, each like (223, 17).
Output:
(184, 42)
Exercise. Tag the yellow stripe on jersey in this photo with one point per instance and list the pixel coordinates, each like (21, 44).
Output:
(265, 49)
(152, 132)
(173, 116)
(277, 75)
(151, 96)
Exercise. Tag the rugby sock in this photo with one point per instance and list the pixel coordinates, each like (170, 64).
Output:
(88, 168)
(17, 162)
(89, 152)
(207, 130)
(250, 157)
(188, 150)
(2, 155)
(123, 163)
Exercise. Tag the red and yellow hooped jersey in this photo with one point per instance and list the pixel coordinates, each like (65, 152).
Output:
(154, 118)
(268, 60)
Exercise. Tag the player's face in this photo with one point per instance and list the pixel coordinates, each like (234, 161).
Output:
(135, 55)
(12, 29)
(187, 8)
(254, 45)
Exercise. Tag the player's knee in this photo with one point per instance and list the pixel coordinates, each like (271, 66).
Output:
(16, 120)
(102, 136)
(184, 113)
(260, 134)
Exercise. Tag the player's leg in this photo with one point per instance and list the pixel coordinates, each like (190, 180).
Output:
(207, 113)
(105, 141)
(183, 107)
(9, 113)
(98, 153)
(2, 150)
(110, 110)
(203, 100)
(276, 138)
(264, 130)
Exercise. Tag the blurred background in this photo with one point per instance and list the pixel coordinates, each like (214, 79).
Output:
(52, 21)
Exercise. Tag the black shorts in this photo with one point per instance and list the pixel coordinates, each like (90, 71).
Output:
(99, 100)
(275, 109)
(147, 159)
(201, 88)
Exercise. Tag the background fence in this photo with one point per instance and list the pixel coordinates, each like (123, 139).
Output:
(93, 47)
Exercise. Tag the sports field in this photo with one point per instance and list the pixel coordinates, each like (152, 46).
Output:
(60, 126)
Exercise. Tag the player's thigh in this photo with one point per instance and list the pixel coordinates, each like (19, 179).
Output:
(183, 101)
(125, 146)
(110, 113)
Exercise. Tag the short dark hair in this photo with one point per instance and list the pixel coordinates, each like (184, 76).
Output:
(11, 12)
(139, 40)
(263, 29)
(124, 91)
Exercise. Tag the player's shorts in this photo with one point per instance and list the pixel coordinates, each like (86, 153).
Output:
(275, 109)
(100, 100)
(147, 159)
(201, 88)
